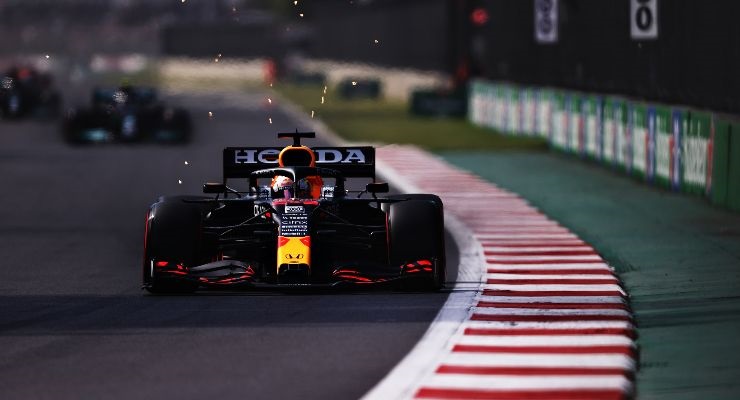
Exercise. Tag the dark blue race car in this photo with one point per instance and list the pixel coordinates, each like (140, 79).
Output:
(127, 114)
(27, 92)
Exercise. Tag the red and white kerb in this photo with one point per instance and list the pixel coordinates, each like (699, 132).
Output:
(536, 313)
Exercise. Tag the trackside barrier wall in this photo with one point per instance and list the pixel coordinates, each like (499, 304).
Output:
(559, 134)
(720, 163)
(527, 126)
(623, 138)
(513, 110)
(614, 142)
(638, 125)
(609, 132)
(675, 148)
(662, 146)
(696, 149)
(543, 111)
(733, 179)
(574, 140)
(499, 108)
(593, 121)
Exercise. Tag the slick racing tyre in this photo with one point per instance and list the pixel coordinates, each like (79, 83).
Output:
(172, 235)
(416, 232)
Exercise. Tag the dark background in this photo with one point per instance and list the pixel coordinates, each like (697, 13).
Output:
(693, 62)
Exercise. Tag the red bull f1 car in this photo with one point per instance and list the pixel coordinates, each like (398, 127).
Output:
(309, 231)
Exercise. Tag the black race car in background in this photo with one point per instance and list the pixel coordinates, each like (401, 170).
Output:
(127, 114)
(294, 235)
(27, 92)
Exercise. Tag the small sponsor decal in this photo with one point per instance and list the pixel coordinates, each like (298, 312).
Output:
(294, 209)
(259, 209)
(650, 160)
(264, 193)
(679, 128)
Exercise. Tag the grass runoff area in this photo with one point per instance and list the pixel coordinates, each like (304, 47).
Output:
(389, 121)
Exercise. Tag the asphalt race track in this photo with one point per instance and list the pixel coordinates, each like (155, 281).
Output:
(74, 323)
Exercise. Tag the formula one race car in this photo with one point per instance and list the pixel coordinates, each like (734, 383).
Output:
(26, 92)
(295, 225)
(127, 114)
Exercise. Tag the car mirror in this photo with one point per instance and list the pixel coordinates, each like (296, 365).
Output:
(377, 187)
(214, 187)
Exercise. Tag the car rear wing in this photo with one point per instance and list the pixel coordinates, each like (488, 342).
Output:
(352, 162)
(141, 94)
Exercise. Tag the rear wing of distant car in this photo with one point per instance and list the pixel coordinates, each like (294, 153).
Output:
(141, 94)
(352, 162)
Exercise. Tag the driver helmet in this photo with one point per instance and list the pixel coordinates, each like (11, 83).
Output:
(303, 189)
(282, 186)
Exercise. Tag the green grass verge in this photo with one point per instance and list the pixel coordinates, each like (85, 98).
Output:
(149, 76)
(387, 121)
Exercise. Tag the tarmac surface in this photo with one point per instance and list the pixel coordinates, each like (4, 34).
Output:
(678, 257)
